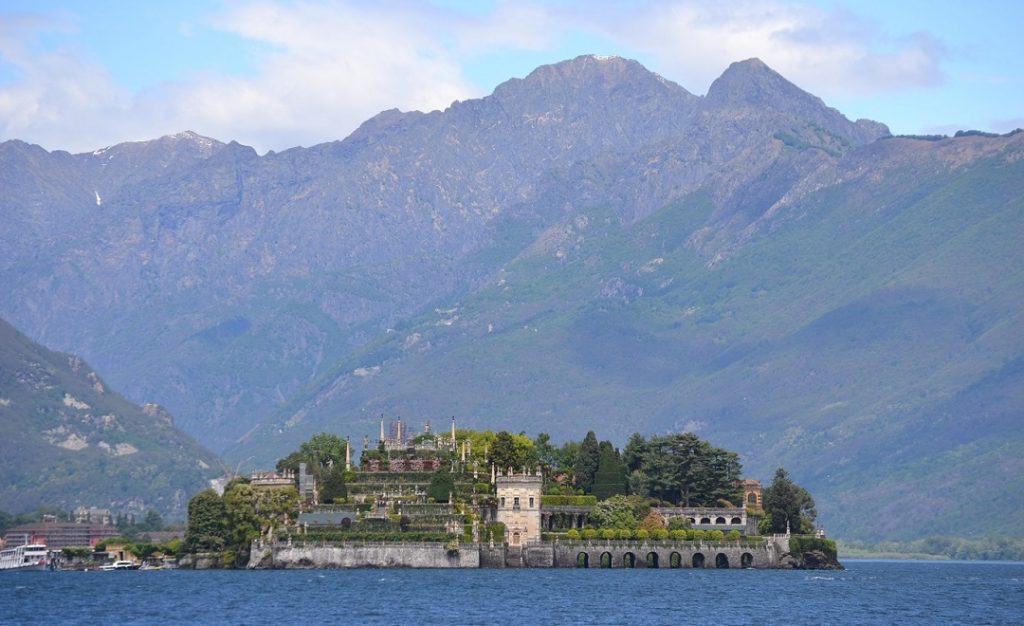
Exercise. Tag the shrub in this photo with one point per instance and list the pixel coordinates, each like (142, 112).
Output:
(661, 534)
(608, 533)
(678, 535)
(589, 533)
(732, 535)
(679, 523)
(623, 533)
(482, 488)
(642, 533)
(799, 545)
(555, 500)
(573, 534)
(696, 535)
(715, 535)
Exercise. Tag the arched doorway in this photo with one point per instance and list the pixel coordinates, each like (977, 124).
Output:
(629, 560)
(746, 560)
(515, 539)
(652, 559)
(721, 561)
(606, 560)
(675, 560)
(583, 560)
(698, 560)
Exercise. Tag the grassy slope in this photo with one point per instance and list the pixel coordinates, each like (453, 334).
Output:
(164, 472)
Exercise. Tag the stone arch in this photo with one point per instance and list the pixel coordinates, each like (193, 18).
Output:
(652, 560)
(606, 560)
(705, 520)
(721, 561)
(693, 520)
(719, 520)
(629, 560)
(698, 560)
(675, 560)
(736, 520)
(746, 560)
(583, 560)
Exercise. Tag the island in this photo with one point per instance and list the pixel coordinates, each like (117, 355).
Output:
(479, 499)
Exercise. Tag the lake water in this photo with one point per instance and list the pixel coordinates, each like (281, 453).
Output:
(868, 592)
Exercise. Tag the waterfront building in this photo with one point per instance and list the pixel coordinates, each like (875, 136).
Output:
(519, 505)
(57, 535)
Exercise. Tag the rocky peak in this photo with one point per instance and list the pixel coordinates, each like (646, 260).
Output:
(590, 72)
(752, 85)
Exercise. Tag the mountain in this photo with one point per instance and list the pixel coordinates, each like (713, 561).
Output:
(591, 246)
(68, 440)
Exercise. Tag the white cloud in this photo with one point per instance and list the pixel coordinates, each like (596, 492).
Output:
(831, 53)
(324, 67)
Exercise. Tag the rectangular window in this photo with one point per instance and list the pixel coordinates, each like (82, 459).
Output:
(531, 502)
(515, 501)
(503, 501)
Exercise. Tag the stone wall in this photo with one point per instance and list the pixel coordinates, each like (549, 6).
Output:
(324, 556)
(768, 554)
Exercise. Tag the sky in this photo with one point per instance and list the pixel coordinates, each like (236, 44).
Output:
(79, 75)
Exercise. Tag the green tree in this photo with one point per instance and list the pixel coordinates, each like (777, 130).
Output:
(442, 485)
(610, 478)
(785, 501)
(207, 523)
(243, 521)
(321, 453)
(619, 512)
(546, 453)
(332, 487)
(587, 462)
(684, 469)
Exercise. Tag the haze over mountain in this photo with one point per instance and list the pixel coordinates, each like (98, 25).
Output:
(589, 247)
(68, 440)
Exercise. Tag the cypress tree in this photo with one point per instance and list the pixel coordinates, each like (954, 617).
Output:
(587, 462)
(610, 478)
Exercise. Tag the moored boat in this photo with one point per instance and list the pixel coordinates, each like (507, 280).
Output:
(28, 557)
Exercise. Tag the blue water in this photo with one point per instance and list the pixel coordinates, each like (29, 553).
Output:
(868, 592)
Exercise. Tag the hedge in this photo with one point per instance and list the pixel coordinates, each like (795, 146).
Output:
(568, 500)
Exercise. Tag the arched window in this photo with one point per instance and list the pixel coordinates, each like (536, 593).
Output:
(751, 498)
(719, 520)
(705, 520)
(737, 520)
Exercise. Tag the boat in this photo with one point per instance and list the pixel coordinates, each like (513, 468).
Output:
(119, 565)
(28, 557)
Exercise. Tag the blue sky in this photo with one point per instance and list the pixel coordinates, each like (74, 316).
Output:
(79, 75)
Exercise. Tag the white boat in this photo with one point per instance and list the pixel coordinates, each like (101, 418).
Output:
(119, 565)
(30, 557)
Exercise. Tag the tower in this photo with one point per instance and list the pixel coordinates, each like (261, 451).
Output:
(519, 506)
